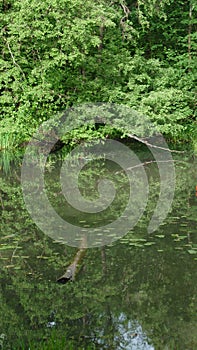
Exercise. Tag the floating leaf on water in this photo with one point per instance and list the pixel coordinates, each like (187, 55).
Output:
(135, 244)
(192, 251)
(149, 243)
(112, 235)
(5, 247)
(137, 239)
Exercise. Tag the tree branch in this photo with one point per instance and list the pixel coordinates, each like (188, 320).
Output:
(124, 18)
(13, 59)
(151, 145)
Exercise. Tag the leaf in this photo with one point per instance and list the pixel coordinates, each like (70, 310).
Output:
(192, 251)
(149, 243)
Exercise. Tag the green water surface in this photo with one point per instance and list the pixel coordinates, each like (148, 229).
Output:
(137, 293)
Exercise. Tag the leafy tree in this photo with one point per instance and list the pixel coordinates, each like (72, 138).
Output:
(54, 55)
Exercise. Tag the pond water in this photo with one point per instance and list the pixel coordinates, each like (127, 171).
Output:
(139, 292)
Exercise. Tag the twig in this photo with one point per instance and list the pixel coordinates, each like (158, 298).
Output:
(17, 177)
(2, 203)
(14, 251)
(124, 18)
(13, 59)
(126, 12)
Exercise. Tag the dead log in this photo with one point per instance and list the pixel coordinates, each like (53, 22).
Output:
(73, 268)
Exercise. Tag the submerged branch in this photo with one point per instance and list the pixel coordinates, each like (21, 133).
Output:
(149, 162)
(154, 161)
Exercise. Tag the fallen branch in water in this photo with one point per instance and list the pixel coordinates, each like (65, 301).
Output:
(151, 145)
(155, 161)
(74, 267)
(149, 162)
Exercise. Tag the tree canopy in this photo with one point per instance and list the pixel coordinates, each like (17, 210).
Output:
(55, 54)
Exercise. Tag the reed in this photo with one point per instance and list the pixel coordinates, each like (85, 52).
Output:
(7, 140)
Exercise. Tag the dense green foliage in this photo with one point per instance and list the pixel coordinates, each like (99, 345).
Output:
(55, 54)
